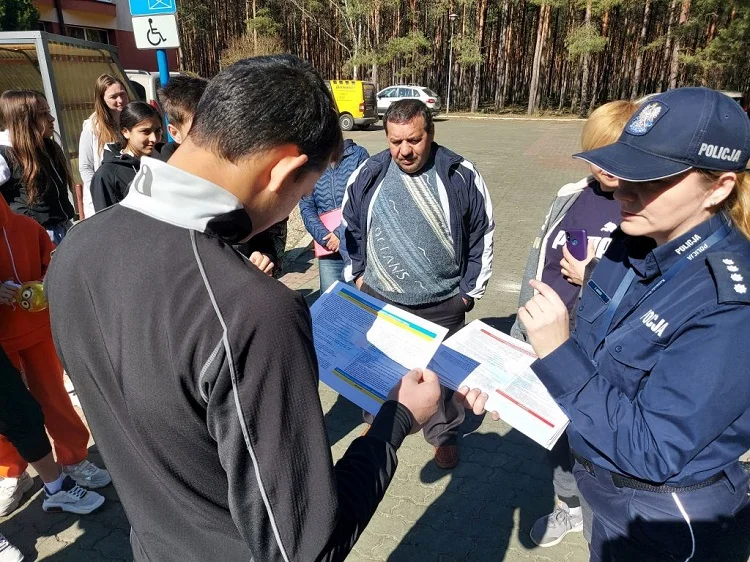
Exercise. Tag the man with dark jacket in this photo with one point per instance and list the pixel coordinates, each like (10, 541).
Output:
(197, 372)
(419, 229)
(179, 99)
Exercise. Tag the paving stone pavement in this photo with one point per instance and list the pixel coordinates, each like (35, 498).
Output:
(482, 510)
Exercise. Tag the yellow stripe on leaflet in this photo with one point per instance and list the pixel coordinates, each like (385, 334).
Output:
(362, 389)
(388, 317)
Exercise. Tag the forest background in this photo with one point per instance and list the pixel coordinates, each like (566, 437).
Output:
(541, 55)
(547, 56)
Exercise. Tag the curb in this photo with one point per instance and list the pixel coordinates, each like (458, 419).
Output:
(494, 118)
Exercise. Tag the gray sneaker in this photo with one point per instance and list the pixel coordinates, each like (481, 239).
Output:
(551, 529)
(87, 474)
(72, 498)
(8, 552)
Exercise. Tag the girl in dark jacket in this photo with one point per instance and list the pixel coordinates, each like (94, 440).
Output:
(34, 173)
(140, 127)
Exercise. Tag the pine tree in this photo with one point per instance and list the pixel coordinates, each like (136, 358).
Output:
(18, 15)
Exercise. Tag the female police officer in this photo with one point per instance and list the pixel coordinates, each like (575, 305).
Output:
(656, 377)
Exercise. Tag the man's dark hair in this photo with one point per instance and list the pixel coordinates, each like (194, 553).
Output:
(405, 111)
(180, 97)
(260, 103)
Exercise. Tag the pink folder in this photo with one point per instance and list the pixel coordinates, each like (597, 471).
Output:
(331, 220)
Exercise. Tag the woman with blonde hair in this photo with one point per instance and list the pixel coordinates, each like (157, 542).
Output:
(99, 130)
(34, 176)
(587, 204)
(655, 376)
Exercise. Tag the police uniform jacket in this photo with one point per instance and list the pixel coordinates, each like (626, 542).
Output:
(664, 397)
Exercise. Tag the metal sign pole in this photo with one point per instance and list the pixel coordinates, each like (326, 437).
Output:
(163, 64)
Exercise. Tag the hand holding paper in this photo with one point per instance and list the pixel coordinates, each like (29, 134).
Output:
(419, 391)
(492, 371)
(475, 400)
(366, 348)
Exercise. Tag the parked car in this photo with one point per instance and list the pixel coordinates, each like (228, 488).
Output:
(355, 101)
(147, 84)
(388, 95)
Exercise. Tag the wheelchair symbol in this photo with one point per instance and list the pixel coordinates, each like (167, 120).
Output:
(153, 35)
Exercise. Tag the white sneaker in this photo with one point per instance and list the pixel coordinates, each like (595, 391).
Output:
(552, 529)
(11, 492)
(8, 552)
(87, 474)
(72, 498)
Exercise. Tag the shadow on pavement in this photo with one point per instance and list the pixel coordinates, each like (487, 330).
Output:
(300, 264)
(725, 540)
(473, 519)
(502, 323)
(341, 419)
(101, 536)
(310, 295)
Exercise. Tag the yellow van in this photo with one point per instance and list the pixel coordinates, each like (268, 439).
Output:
(356, 103)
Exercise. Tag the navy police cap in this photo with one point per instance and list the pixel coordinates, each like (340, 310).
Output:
(675, 131)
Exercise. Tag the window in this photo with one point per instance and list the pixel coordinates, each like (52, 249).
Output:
(429, 92)
(88, 33)
(389, 93)
(404, 92)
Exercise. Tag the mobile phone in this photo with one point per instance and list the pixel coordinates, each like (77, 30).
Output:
(577, 242)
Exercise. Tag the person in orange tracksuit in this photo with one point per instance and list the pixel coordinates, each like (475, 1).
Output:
(25, 253)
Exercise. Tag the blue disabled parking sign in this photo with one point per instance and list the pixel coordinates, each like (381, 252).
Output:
(152, 7)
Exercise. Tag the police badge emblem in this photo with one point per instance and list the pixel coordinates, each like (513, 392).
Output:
(646, 118)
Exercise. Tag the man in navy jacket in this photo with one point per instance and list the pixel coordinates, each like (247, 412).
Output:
(419, 230)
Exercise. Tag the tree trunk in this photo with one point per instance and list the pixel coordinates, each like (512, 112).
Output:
(357, 41)
(541, 36)
(640, 48)
(666, 55)
(675, 68)
(481, 19)
(507, 55)
(255, 31)
(583, 107)
(375, 45)
(503, 26)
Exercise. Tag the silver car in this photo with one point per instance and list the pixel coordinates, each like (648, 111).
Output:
(387, 96)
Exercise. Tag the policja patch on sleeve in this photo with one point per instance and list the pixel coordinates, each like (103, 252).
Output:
(731, 273)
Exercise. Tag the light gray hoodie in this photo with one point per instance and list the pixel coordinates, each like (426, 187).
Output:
(562, 203)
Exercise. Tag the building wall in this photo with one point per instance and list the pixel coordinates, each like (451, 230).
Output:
(113, 17)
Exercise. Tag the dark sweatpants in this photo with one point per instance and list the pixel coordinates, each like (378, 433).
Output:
(442, 428)
(21, 418)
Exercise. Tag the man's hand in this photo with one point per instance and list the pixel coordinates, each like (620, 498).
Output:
(474, 400)
(262, 262)
(419, 391)
(358, 281)
(332, 242)
(572, 269)
(545, 318)
(8, 292)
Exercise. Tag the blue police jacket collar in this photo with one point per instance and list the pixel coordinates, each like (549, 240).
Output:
(661, 258)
